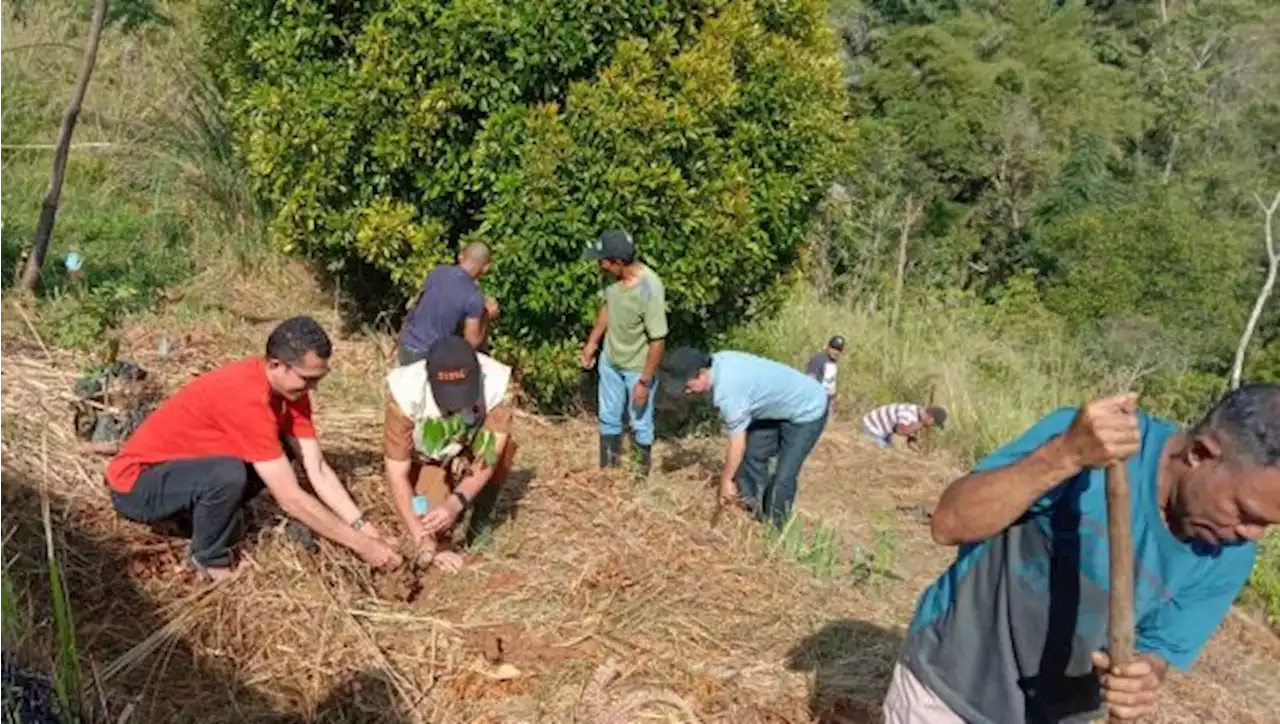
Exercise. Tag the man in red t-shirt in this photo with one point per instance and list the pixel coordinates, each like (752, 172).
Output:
(214, 445)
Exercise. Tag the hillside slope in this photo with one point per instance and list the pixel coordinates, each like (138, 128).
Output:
(593, 599)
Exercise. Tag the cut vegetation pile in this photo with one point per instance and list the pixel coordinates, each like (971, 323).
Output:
(593, 602)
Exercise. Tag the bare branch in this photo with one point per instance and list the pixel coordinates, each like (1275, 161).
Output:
(1273, 267)
(49, 207)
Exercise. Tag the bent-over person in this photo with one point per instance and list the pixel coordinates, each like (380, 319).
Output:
(447, 446)
(1016, 629)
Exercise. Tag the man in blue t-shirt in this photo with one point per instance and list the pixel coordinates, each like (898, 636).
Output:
(1015, 630)
(450, 304)
(770, 411)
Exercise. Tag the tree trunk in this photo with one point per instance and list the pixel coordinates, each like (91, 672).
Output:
(1273, 266)
(910, 214)
(49, 208)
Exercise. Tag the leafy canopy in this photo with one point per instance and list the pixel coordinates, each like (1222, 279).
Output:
(386, 134)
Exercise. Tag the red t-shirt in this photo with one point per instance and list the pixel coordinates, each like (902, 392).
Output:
(229, 412)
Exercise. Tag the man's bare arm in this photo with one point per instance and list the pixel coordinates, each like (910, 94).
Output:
(734, 452)
(980, 505)
(653, 359)
(602, 323)
(324, 480)
(297, 503)
(478, 477)
(473, 331)
(402, 494)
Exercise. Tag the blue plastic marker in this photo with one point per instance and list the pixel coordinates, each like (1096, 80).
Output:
(420, 505)
(73, 261)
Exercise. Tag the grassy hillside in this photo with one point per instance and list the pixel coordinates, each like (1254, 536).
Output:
(157, 205)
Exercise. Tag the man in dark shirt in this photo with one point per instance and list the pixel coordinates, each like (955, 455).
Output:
(450, 304)
(822, 367)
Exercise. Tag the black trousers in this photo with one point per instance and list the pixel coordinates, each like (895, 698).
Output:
(208, 493)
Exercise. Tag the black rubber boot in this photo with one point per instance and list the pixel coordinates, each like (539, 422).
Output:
(643, 455)
(610, 451)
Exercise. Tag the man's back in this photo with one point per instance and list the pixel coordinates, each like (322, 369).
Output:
(230, 411)
(883, 420)
(450, 296)
(764, 389)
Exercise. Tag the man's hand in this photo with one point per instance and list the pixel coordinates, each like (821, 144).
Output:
(441, 517)
(1130, 691)
(448, 561)
(728, 493)
(491, 307)
(639, 395)
(587, 358)
(369, 529)
(914, 446)
(427, 550)
(379, 554)
(1104, 431)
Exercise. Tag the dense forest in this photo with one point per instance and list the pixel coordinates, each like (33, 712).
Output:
(1105, 159)
(1097, 163)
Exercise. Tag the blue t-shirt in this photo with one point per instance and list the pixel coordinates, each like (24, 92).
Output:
(745, 387)
(450, 297)
(1006, 634)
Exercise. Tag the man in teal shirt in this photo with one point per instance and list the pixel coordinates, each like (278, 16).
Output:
(1015, 629)
(770, 412)
(633, 324)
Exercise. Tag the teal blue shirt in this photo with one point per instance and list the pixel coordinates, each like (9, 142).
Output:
(745, 388)
(1006, 633)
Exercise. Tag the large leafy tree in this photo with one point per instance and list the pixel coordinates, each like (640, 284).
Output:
(387, 133)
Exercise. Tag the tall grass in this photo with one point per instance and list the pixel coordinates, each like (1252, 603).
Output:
(994, 385)
(66, 680)
(154, 192)
(19, 635)
(997, 368)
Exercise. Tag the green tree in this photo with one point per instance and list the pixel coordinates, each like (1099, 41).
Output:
(385, 134)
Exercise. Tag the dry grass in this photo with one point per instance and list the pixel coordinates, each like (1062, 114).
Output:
(593, 602)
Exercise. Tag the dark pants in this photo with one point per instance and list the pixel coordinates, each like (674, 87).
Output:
(771, 494)
(209, 493)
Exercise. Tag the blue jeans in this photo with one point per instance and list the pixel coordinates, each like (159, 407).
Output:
(614, 400)
(772, 494)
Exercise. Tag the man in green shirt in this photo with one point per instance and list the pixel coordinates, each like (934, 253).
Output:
(633, 324)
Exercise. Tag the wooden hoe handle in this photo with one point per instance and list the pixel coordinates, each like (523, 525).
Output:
(1120, 535)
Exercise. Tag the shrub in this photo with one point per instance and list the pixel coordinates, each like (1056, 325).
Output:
(389, 134)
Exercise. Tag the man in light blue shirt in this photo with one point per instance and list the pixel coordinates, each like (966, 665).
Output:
(1014, 630)
(769, 409)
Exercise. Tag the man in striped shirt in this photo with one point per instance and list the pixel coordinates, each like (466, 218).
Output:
(901, 418)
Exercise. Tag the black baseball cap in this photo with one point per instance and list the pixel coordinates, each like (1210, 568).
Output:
(614, 245)
(681, 365)
(939, 415)
(453, 371)
(837, 342)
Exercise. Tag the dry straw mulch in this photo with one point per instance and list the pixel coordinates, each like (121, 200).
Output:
(595, 601)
